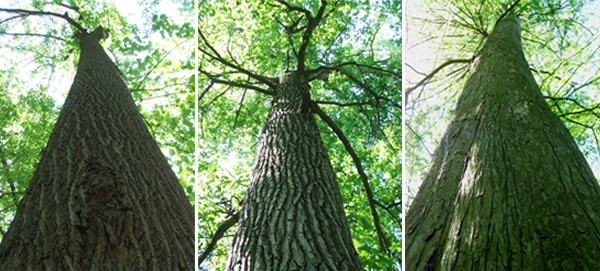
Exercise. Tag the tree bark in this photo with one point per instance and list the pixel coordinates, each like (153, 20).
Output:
(292, 216)
(103, 197)
(507, 188)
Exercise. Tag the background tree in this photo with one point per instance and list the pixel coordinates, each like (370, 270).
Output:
(506, 188)
(53, 55)
(246, 48)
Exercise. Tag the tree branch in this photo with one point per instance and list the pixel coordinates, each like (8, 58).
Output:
(33, 35)
(269, 81)
(368, 89)
(42, 13)
(342, 104)
(237, 114)
(436, 70)
(311, 25)
(387, 209)
(214, 79)
(155, 66)
(383, 244)
(298, 9)
(217, 236)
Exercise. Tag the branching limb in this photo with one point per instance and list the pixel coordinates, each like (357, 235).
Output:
(156, 65)
(237, 114)
(215, 79)
(584, 109)
(44, 13)
(387, 209)
(214, 55)
(33, 35)
(12, 18)
(419, 138)
(343, 104)
(217, 236)
(436, 70)
(63, 5)
(383, 243)
(368, 89)
(311, 25)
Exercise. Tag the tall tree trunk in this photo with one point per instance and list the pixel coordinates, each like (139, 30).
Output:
(292, 217)
(507, 188)
(103, 197)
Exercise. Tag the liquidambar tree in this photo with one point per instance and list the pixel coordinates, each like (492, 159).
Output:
(507, 188)
(103, 197)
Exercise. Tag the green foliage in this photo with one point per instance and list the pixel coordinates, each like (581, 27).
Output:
(251, 34)
(24, 119)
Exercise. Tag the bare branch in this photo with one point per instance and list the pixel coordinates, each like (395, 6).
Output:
(206, 90)
(298, 9)
(12, 18)
(387, 209)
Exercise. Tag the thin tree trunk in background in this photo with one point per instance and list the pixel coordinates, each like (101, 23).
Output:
(507, 188)
(292, 217)
(103, 197)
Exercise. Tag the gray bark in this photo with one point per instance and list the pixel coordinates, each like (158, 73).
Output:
(507, 188)
(103, 197)
(292, 217)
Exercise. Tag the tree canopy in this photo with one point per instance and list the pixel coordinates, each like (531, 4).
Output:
(559, 44)
(355, 46)
(153, 49)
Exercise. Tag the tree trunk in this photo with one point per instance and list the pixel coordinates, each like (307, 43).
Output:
(507, 188)
(292, 216)
(103, 197)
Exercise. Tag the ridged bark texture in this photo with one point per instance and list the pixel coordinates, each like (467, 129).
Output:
(292, 217)
(507, 188)
(103, 197)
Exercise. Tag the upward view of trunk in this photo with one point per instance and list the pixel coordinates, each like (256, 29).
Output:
(507, 188)
(292, 217)
(103, 197)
